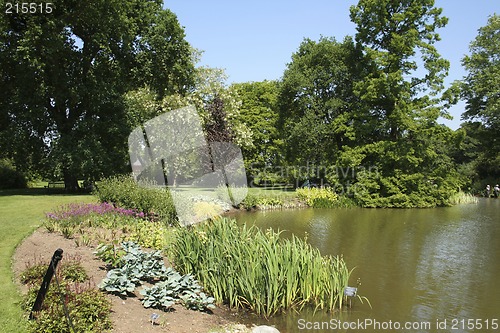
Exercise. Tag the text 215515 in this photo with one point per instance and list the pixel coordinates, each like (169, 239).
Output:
(28, 8)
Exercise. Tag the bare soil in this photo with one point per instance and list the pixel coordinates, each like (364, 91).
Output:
(128, 315)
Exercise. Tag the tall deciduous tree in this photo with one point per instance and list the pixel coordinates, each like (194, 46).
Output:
(402, 92)
(65, 73)
(406, 70)
(481, 91)
(259, 113)
(317, 102)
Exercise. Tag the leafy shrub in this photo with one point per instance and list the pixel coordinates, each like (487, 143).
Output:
(267, 201)
(118, 281)
(134, 266)
(149, 234)
(68, 218)
(111, 254)
(88, 308)
(125, 192)
(318, 197)
(68, 270)
(250, 201)
(73, 271)
(403, 190)
(33, 274)
(10, 177)
(176, 287)
(76, 210)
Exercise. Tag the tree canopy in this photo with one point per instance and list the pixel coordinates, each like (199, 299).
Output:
(481, 91)
(369, 107)
(65, 74)
(360, 114)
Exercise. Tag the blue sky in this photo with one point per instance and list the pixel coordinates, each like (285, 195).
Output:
(254, 40)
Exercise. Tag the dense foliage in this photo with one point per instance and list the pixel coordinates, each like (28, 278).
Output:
(480, 152)
(318, 197)
(124, 191)
(10, 177)
(259, 113)
(360, 114)
(64, 76)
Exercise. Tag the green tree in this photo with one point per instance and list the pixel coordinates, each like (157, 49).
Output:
(406, 70)
(401, 91)
(317, 104)
(259, 113)
(481, 91)
(65, 74)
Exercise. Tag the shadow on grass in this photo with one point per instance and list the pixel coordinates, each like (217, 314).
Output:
(40, 192)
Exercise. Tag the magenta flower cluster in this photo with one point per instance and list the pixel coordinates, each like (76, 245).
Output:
(83, 209)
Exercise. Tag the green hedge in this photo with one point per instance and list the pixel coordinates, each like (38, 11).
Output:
(125, 192)
(10, 177)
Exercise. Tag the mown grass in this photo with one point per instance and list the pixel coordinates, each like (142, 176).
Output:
(21, 212)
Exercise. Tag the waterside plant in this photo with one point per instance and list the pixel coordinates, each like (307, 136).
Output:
(460, 198)
(248, 268)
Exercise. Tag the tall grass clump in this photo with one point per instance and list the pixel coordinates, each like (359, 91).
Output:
(460, 198)
(246, 267)
(125, 192)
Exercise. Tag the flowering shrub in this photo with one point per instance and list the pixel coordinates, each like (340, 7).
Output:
(74, 218)
(83, 209)
(318, 197)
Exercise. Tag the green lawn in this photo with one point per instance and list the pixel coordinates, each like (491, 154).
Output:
(21, 212)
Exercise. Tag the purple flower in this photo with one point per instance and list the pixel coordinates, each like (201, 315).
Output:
(83, 209)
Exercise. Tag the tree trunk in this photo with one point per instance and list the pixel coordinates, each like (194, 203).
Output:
(70, 182)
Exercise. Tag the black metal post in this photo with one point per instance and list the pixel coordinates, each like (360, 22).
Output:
(46, 282)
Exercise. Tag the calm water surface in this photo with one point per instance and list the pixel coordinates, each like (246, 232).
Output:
(415, 265)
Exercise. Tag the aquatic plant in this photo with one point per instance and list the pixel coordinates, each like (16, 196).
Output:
(246, 267)
(460, 198)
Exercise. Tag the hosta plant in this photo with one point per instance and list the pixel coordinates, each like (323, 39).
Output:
(117, 281)
(176, 288)
(136, 266)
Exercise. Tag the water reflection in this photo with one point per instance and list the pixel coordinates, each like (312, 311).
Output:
(419, 265)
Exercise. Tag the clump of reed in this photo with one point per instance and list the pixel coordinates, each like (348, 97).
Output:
(250, 268)
(460, 198)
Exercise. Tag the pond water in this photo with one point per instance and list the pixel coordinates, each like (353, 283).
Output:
(435, 270)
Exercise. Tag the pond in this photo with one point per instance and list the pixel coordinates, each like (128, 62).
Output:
(423, 270)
